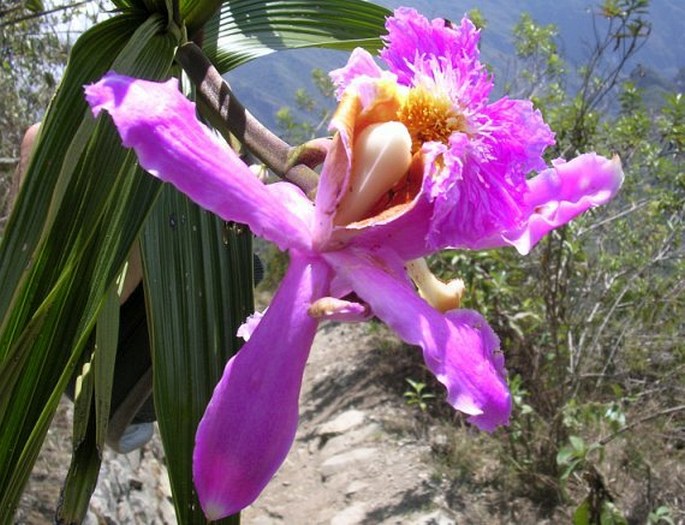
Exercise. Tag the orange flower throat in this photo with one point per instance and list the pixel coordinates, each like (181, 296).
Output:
(429, 117)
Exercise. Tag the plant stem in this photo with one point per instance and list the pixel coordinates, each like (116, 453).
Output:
(286, 161)
(632, 425)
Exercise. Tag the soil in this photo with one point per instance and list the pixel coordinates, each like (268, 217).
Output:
(362, 455)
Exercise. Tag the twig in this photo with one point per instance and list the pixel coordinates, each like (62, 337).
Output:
(620, 431)
(43, 13)
(633, 208)
(286, 161)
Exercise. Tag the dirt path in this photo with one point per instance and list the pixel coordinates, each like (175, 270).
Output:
(358, 458)
(349, 463)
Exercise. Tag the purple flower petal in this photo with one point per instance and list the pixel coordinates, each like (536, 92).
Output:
(250, 422)
(479, 188)
(558, 195)
(360, 63)
(416, 47)
(459, 347)
(160, 124)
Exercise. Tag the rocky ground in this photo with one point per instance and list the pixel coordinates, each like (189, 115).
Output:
(362, 455)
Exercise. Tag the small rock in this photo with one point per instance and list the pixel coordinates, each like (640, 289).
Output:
(349, 440)
(266, 520)
(352, 515)
(342, 423)
(355, 486)
(437, 517)
(342, 461)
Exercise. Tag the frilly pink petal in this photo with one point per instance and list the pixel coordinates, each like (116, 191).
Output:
(411, 36)
(558, 195)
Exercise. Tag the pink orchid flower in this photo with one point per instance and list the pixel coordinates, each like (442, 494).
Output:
(420, 160)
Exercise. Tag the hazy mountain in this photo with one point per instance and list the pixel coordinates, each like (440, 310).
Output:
(268, 83)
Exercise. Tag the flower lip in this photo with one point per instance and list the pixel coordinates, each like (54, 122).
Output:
(381, 156)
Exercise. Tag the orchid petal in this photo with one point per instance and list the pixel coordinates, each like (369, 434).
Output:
(458, 347)
(250, 422)
(334, 176)
(558, 195)
(416, 47)
(160, 124)
(360, 63)
(478, 189)
(405, 233)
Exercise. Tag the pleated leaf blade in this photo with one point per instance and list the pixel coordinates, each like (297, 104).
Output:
(246, 29)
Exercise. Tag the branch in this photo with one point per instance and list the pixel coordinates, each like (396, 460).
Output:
(42, 13)
(633, 208)
(290, 163)
(620, 431)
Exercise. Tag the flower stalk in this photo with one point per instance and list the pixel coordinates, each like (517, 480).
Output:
(230, 115)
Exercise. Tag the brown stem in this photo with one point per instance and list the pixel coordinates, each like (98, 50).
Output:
(632, 425)
(287, 162)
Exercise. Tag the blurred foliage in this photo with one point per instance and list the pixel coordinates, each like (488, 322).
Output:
(312, 111)
(31, 60)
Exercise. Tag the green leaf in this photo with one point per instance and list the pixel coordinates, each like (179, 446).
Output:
(81, 478)
(610, 515)
(246, 29)
(581, 516)
(79, 211)
(195, 13)
(127, 5)
(578, 444)
(198, 295)
(35, 6)
(565, 455)
(91, 414)
(106, 340)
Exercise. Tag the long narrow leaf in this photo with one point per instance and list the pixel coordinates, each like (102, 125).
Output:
(89, 437)
(198, 295)
(88, 214)
(247, 29)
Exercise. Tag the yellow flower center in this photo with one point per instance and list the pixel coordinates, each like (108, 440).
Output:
(429, 117)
